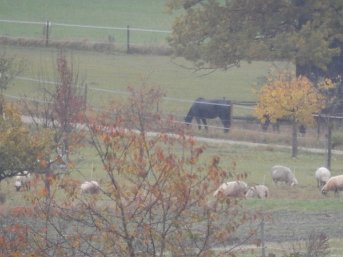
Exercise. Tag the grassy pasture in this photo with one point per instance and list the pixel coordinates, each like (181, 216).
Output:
(145, 14)
(109, 76)
(137, 13)
(256, 162)
(118, 72)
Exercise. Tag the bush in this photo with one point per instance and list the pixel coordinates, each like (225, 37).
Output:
(316, 245)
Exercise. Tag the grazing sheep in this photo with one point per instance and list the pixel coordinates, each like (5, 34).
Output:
(333, 184)
(322, 175)
(232, 189)
(283, 174)
(91, 187)
(258, 191)
(23, 181)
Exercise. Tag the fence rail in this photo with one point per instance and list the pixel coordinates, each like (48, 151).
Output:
(123, 38)
(236, 104)
(121, 92)
(23, 22)
(50, 23)
(179, 117)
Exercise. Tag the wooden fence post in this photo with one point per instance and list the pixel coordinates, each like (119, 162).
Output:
(47, 32)
(328, 144)
(128, 39)
(263, 247)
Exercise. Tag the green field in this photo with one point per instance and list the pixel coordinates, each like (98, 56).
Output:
(256, 162)
(118, 72)
(115, 71)
(137, 13)
(143, 14)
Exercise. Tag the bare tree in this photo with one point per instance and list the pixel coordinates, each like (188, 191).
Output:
(60, 111)
(62, 108)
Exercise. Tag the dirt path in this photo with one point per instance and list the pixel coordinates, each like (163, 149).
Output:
(244, 143)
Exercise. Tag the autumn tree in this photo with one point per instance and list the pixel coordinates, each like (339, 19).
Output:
(20, 147)
(295, 99)
(69, 103)
(63, 108)
(60, 110)
(155, 193)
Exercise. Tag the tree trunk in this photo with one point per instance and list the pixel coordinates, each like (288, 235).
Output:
(294, 139)
(2, 103)
(47, 182)
(65, 155)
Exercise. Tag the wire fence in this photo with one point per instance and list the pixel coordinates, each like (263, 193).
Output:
(115, 92)
(285, 231)
(50, 30)
(47, 32)
(244, 105)
(246, 124)
(250, 105)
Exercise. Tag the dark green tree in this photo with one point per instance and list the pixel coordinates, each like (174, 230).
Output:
(219, 34)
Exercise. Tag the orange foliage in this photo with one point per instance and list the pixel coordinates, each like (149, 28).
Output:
(15, 244)
(21, 211)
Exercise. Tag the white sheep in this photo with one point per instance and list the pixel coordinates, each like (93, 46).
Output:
(232, 189)
(91, 187)
(333, 184)
(283, 174)
(258, 191)
(23, 181)
(322, 175)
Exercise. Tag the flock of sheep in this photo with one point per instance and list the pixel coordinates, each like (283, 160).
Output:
(280, 174)
(23, 181)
